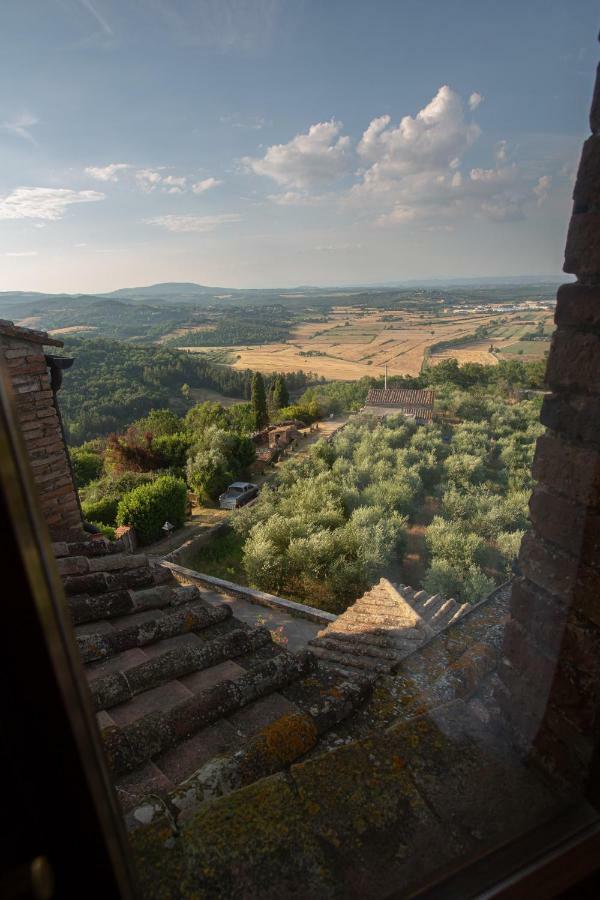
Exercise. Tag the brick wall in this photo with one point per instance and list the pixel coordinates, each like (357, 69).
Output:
(22, 352)
(551, 668)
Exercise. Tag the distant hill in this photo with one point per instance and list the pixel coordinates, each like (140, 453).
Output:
(168, 290)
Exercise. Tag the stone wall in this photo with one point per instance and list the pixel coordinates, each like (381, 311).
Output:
(22, 352)
(551, 667)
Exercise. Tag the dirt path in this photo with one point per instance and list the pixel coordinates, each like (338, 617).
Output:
(414, 564)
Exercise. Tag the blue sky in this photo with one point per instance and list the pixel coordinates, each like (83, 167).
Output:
(283, 142)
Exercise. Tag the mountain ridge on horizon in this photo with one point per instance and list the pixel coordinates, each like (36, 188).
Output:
(192, 289)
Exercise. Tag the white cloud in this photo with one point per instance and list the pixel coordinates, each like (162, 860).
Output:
(294, 198)
(19, 253)
(193, 223)
(542, 188)
(434, 138)
(148, 179)
(415, 171)
(315, 158)
(19, 127)
(205, 185)
(173, 184)
(107, 173)
(48, 204)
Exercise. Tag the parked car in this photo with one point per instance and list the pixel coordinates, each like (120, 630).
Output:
(237, 494)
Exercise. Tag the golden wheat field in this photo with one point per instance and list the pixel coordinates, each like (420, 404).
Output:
(352, 344)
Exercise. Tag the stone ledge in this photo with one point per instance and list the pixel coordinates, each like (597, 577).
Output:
(253, 596)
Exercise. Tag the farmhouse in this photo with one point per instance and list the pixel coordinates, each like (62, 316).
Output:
(414, 404)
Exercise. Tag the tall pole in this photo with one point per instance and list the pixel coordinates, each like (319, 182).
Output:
(385, 378)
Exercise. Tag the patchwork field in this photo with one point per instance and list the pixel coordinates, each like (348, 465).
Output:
(353, 343)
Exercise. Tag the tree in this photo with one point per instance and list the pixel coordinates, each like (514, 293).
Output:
(259, 402)
(280, 396)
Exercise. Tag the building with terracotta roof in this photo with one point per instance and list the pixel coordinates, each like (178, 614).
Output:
(414, 404)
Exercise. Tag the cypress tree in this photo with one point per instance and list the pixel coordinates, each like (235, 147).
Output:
(259, 402)
(281, 396)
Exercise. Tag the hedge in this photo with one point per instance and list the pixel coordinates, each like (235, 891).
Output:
(146, 508)
(104, 510)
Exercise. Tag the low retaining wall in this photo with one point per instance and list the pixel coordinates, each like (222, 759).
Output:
(229, 588)
(197, 540)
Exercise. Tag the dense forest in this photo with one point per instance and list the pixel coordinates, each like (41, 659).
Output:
(260, 325)
(112, 383)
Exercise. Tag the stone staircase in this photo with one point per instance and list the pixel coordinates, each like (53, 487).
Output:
(176, 679)
(383, 627)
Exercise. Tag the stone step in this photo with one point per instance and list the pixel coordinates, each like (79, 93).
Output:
(118, 687)
(349, 662)
(132, 746)
(85, 608)
(347, 643)
(102, 644)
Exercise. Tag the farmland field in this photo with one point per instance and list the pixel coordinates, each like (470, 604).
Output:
(350, 343)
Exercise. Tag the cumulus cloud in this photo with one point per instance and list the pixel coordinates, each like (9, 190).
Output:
(193, 223)
(434, 138)
(174, 184)
(205, 185)
(48, 204)
(315, 158)
(148, 179)
(415, 171)
(107, 173)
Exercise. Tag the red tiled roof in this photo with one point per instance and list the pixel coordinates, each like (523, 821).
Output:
(412, 402)
(9, 329)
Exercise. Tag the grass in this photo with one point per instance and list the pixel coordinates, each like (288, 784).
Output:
(222, 558)
(528, 349)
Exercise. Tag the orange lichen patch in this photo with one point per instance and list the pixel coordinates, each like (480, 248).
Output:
(288, 737)
(473, 665)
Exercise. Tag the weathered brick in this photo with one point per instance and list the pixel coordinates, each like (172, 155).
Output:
(575, 416)
(561, 574)
(543, 615)
(582, 252)
(525, 657)
(574, 361)
(586, 193)
(568, 469)
(578, 305)
(26, 388)
(570, 525)
(24, 350)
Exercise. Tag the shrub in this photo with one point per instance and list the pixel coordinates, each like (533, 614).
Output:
(103, 510)
(107, 530)
(147, 507)
(172, 450)
(87, 465)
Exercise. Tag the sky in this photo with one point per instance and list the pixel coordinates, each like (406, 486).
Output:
(276, 143)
